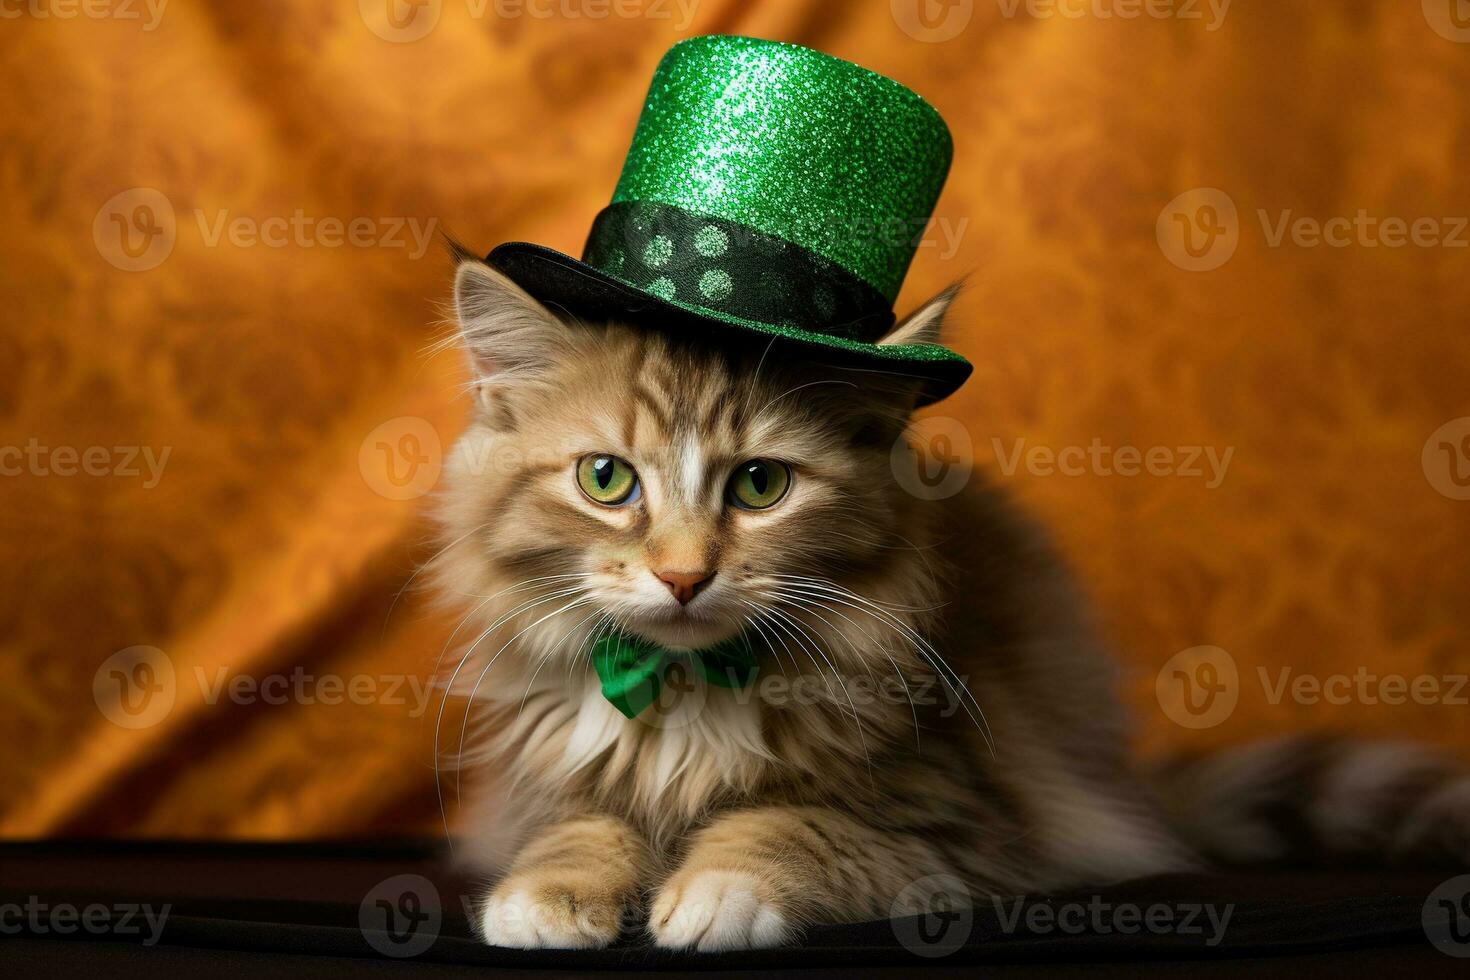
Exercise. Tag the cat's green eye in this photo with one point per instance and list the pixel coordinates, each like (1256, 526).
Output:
(759, 483)
(607, 479)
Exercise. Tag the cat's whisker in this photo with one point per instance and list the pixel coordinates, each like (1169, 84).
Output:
(813, 605)
(388, 616)
(551, 652)
(923, 648)
(755, 624)
(449, 687)
(805, 628)
(817, 641)
(856, 717)
(817, 644)
(774, 618)
(809, 384)
(470, 704)
(753, 384)
(763, 616)
(834, 533)
(607, 628)
(449, 684)
(594, 636)
(918, 551)
(520, 586)
(515, 780)
(863, 661)
(600, 619)
(783, 622)
(920, 645)
(500, 621)
(543, 578)
(766, 639)
(891, 606)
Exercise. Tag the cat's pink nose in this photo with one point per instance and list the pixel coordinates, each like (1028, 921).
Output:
(685, 585)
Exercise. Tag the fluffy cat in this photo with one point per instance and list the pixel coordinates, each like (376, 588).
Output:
(932, 704)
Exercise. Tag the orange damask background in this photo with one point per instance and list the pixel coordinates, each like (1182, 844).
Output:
(274, 371)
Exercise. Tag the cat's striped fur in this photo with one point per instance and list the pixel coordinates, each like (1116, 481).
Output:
(733, 818)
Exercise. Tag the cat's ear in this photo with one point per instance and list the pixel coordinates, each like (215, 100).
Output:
(505, 332)
(924, 325)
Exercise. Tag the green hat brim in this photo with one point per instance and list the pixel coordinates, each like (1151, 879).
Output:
(569, 284)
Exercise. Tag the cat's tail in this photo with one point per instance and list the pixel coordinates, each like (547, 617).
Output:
(1315, 799)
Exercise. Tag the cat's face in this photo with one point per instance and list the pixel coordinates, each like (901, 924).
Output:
(680, 491)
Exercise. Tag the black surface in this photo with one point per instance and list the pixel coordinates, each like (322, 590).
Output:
(294, 909)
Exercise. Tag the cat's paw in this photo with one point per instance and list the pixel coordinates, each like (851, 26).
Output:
(529, 915)
(716, 910)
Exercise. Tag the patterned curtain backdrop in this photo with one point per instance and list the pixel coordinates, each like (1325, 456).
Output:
(1218, 293)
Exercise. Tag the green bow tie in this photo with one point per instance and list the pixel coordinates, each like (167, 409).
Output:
(632, 668)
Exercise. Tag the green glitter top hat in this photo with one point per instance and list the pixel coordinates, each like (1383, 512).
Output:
(769, 188)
